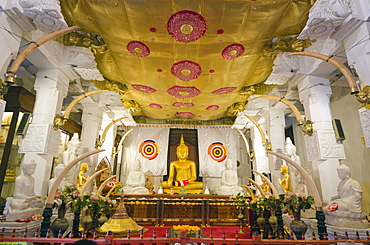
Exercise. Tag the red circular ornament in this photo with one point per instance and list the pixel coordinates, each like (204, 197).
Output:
(143, 88)
(159, 70)
(220, 31)
(233, 51)
(217, 151)
(186, 26)
(149, 149)
(185, 114)
(183, 92)
(211, 71)
(212, 107)
(138, 48)
(183, 104)
(153, 29)
(186, 70)
(224, 90)
(155, 106)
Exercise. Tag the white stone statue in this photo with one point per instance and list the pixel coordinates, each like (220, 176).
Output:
(229, 181)
(59, 168)
(69, 155)
(301, 187)
(25, 203)
(135, 183)
(345, 209)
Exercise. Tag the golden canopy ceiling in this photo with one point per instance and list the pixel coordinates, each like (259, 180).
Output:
(187, 58)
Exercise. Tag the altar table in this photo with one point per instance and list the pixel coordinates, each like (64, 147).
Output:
(195, 209)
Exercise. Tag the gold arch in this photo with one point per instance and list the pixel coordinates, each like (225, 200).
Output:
(57, 181)
(306, 126)
(101, 187)
(257, 186)
(59, 120)
(274, 191)
(245, 142)
(307, 178)
(89, 181)
(11, 73)
(267, 146)
(362, 97)
(347, 74)
(106, 130)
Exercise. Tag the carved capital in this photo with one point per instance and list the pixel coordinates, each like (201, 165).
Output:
(41, 139)
(323, 145)
(365, 123)
(324, 17)
(46, 15)
(284, 68)
(83, 62)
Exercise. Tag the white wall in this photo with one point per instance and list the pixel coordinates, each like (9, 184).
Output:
(345, 107)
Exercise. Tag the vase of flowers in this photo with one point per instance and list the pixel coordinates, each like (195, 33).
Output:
(296, 203)
(62, 200)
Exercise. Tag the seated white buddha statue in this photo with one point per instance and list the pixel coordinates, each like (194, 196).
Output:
(25, 203)
(229, 181)
(345, 209)
(57, 170)
(135, 183)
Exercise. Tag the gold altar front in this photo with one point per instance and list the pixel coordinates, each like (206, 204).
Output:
(163, 209)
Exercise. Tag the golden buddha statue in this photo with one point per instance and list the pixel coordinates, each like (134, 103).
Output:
(285, 183)
(81, 180)
(265, 186)
(182, 173)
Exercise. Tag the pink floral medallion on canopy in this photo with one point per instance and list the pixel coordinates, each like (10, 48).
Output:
(233, 51)
(185, 114)
(138, 48)
(183, 104)
(224, 90)
(143, 88)
(183, 92)
(186, 70)
(212, 107)
(155, 106)
(186, 26)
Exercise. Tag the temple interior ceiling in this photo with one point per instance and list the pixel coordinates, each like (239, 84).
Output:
(192, 59)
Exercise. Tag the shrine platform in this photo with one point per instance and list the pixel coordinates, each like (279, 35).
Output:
(192, 209)
(217, 230)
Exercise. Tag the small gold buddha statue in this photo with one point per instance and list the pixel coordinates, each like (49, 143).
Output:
(182, 173)
(81, 179)
(265, 186)
(285, 183)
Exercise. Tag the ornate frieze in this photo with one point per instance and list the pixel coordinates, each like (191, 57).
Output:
(365, 123)
(46, 14)
(325, 17)
(41, 139)
(83, 62)
(284, 68)
(323, 145)
(51, 49)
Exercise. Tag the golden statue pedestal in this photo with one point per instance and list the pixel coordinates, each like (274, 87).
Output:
(178, 190)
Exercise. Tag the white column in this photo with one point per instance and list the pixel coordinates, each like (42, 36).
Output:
(355, 38)
(91, 120)
(323, 150)
(41, 141)
(261, 159)
(277, 139)
(108, 144)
